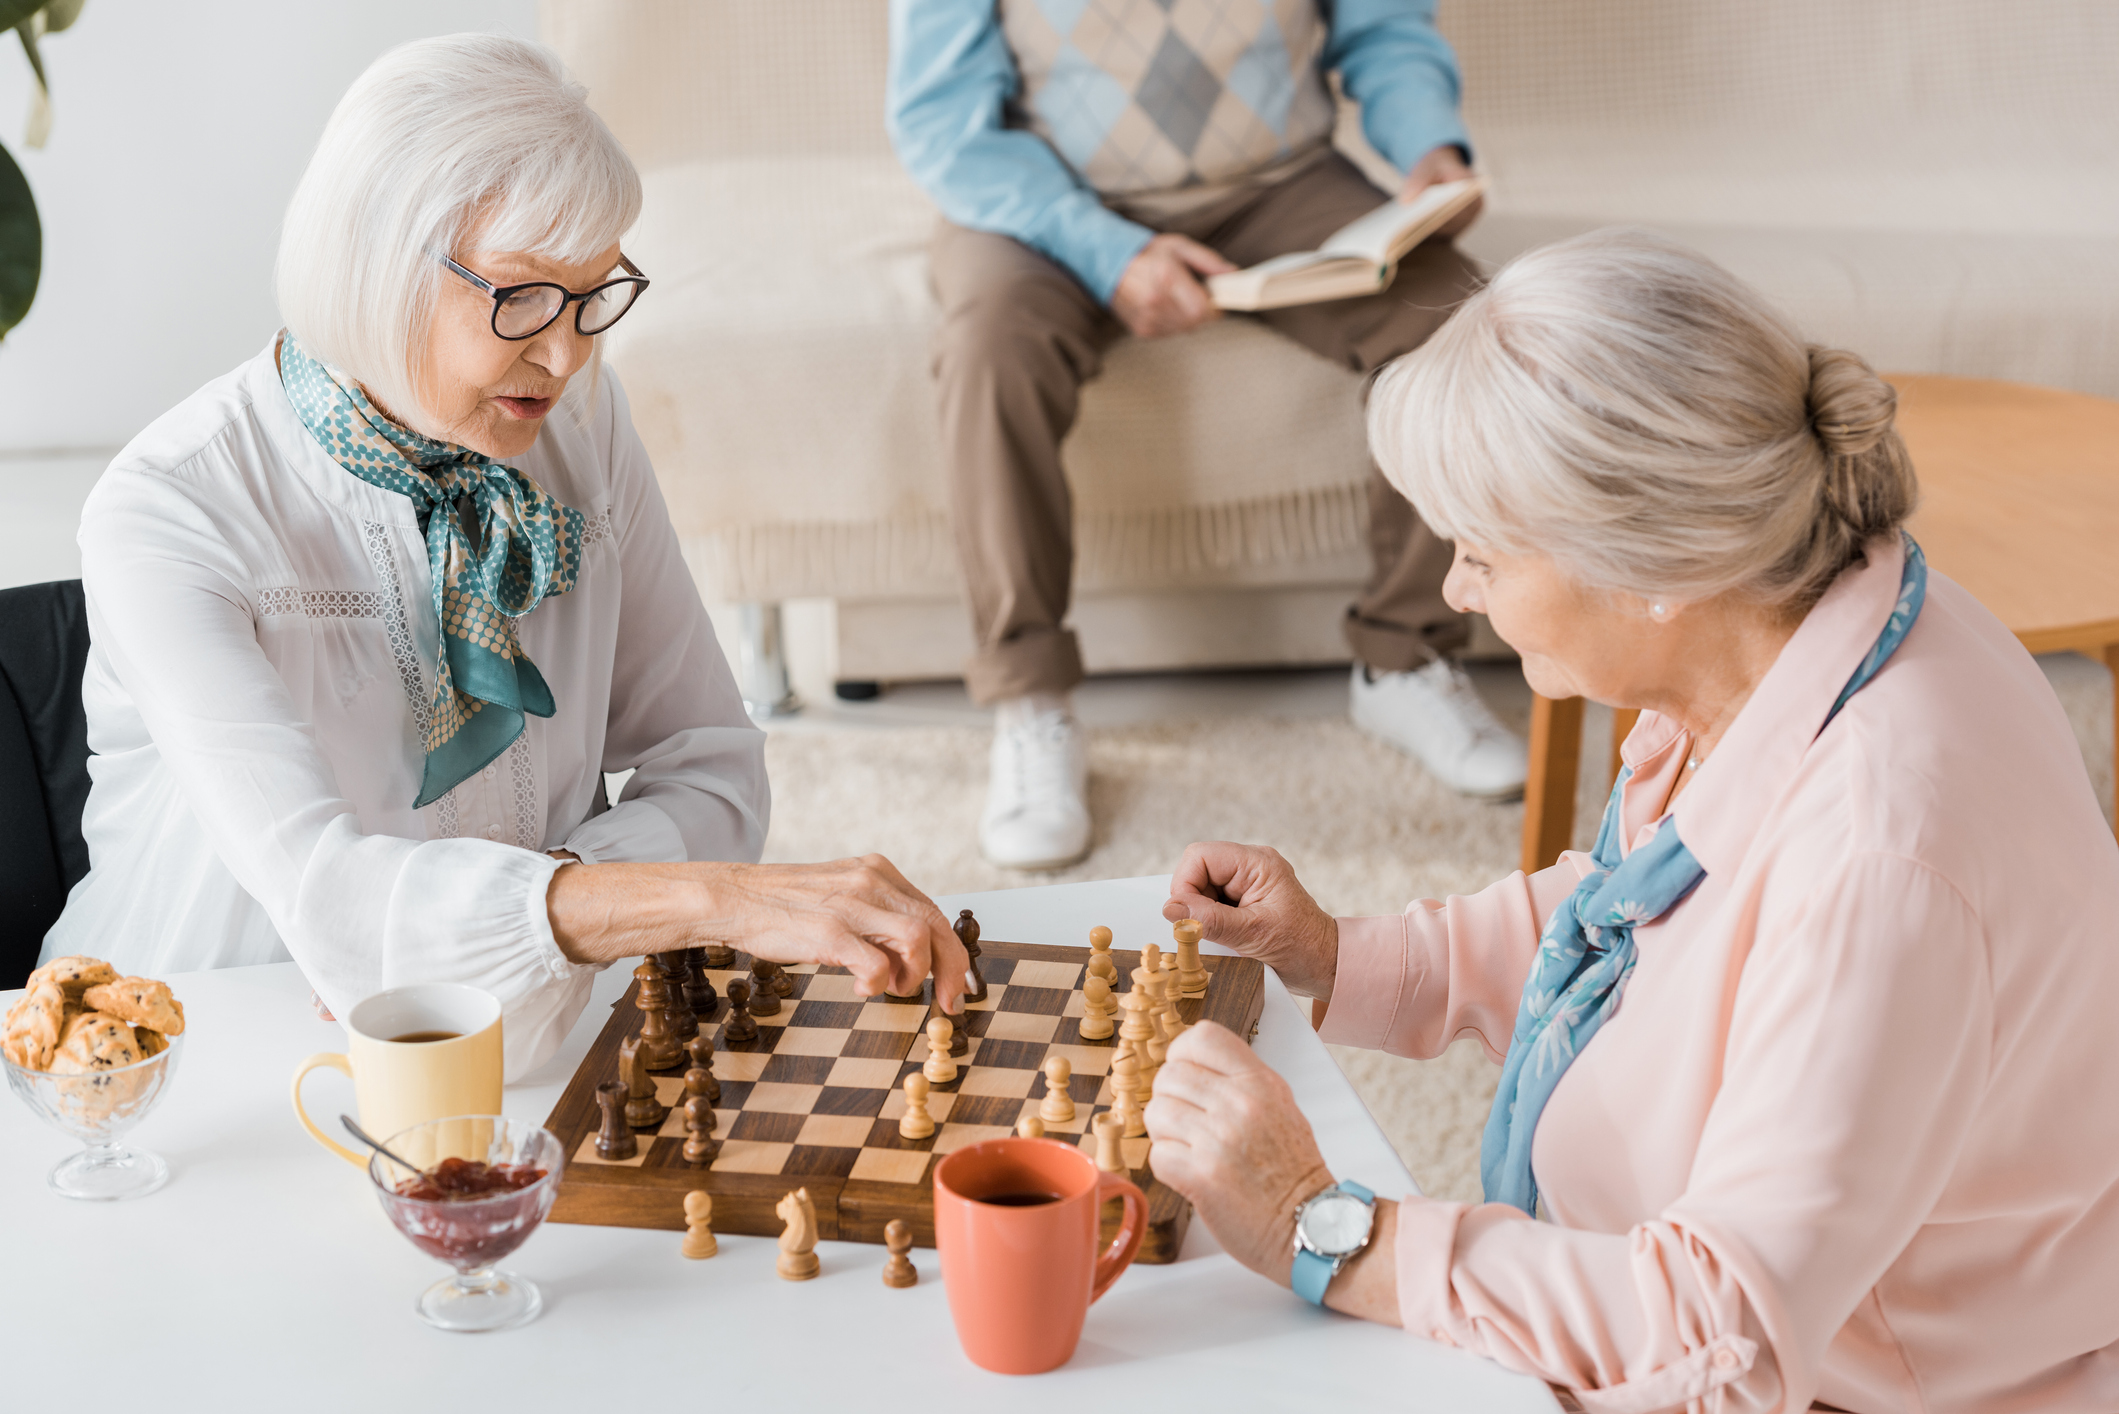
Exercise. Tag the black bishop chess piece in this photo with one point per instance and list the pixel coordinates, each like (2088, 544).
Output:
(663, 1050)
(739, 1027)
(764, 998)
(966, 929)
(699, 993)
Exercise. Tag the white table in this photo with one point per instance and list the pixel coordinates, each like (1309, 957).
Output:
(265, 1275)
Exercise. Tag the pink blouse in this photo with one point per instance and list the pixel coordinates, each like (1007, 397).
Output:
(1854, 1134)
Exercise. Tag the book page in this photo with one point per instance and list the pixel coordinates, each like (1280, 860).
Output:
(1378, 235)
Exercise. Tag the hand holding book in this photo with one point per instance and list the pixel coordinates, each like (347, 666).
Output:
(1358, 259)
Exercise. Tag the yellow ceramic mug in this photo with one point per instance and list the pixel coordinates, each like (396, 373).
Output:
(402, 1075)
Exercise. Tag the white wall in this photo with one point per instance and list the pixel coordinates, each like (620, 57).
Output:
(180, 129)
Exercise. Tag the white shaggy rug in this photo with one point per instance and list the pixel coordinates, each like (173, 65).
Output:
(1365, 828)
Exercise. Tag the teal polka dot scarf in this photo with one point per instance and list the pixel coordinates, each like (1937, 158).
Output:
(529, 547)
(1586, 953)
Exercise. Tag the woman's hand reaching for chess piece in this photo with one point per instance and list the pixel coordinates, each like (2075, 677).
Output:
(1228, 1135)
(859, 914)
(1246, 897)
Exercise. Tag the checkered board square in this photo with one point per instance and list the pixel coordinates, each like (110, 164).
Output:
(815, 1100)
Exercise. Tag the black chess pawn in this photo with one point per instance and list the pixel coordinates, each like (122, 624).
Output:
(699, 993)
(739, 1026)
(783, 980)
(719, 956)
(764, 1001)
(614, 1141)
(700, 1080)
(699, 1130)
(683, 1022)
(966, 929)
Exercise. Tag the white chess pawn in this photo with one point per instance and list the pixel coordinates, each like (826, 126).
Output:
(1100, 963)
(941, 1066)
(1030, 1126)
(1096, 1003)
(698, 1224)
(1059, 1104)
(916, 1123)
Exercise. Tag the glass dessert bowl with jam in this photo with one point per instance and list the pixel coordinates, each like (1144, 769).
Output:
(484, 1185)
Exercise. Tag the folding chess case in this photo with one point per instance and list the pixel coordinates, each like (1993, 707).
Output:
(814, 1101)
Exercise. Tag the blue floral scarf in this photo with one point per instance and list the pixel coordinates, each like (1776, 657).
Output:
(1586, 953)
(529, 547)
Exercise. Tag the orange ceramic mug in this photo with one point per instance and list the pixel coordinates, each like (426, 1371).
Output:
(1015, 1223)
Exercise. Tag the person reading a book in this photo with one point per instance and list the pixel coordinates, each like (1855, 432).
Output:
(1807, 1075)
(1096, 164)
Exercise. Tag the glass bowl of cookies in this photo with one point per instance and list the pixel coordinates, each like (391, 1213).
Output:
(91, 1052)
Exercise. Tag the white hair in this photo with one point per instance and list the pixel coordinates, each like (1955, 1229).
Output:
(438, 136)
(1629, 408)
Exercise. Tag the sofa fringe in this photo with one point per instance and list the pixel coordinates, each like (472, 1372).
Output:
(915, 557)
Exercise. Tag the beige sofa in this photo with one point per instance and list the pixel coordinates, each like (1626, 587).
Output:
(1926, 182)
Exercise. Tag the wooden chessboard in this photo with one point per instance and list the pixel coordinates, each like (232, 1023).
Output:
(814, 1102)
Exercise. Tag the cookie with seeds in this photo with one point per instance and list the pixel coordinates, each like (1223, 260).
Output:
(74, 975)
(142, 1001)
(152, 1042)
(94, 1042)
(34, 1024)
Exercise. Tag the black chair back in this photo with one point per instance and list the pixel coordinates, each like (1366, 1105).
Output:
(43, 764)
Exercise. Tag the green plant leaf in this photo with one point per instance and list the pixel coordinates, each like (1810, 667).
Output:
(21, 244)
(60, 14)
(15, 12)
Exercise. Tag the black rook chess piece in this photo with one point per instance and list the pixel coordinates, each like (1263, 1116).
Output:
(739, 1026)
(683, 1022)
(614, 1140)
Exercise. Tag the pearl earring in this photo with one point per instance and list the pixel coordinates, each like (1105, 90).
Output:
(1659, 611)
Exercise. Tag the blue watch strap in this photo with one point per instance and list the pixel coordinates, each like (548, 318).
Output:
(1311, 1275)
(1312, 1272)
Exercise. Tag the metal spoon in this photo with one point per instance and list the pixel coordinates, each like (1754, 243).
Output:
(361, 1134)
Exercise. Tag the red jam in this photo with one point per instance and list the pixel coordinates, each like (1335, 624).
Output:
(465, 1180)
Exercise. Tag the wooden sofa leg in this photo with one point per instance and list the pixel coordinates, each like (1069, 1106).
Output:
(1549, 794)
(761, 663)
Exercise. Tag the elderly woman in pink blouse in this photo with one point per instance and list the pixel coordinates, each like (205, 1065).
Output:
(1807, 1088)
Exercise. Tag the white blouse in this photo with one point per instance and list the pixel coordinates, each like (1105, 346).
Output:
(257, 694)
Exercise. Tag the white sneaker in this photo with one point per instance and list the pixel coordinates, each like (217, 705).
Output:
(1037, 809)
(1435, 715)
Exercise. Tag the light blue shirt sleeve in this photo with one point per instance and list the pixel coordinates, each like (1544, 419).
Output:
(1398, 67)
(951, 73)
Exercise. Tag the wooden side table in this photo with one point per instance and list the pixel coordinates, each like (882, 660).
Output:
(2019, 504)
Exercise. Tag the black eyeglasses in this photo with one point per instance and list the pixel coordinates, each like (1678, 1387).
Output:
(525, 311)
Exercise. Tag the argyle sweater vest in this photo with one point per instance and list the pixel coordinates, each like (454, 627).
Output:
(1152, 95)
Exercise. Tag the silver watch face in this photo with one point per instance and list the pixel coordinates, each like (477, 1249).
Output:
(1336, 1224)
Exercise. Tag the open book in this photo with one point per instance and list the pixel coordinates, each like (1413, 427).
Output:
(1357, 259)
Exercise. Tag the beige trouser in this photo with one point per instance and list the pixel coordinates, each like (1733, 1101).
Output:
(1020, 336)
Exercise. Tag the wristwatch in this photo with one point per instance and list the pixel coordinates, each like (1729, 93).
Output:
(1331, 1228)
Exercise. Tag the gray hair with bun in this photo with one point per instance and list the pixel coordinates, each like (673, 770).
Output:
(1624, 405)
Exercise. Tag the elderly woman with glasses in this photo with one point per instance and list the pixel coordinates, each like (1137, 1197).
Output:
(374, 614)
(1807, 1088)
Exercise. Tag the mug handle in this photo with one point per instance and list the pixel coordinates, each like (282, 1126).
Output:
(1131, 1228)
(335, 1062)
